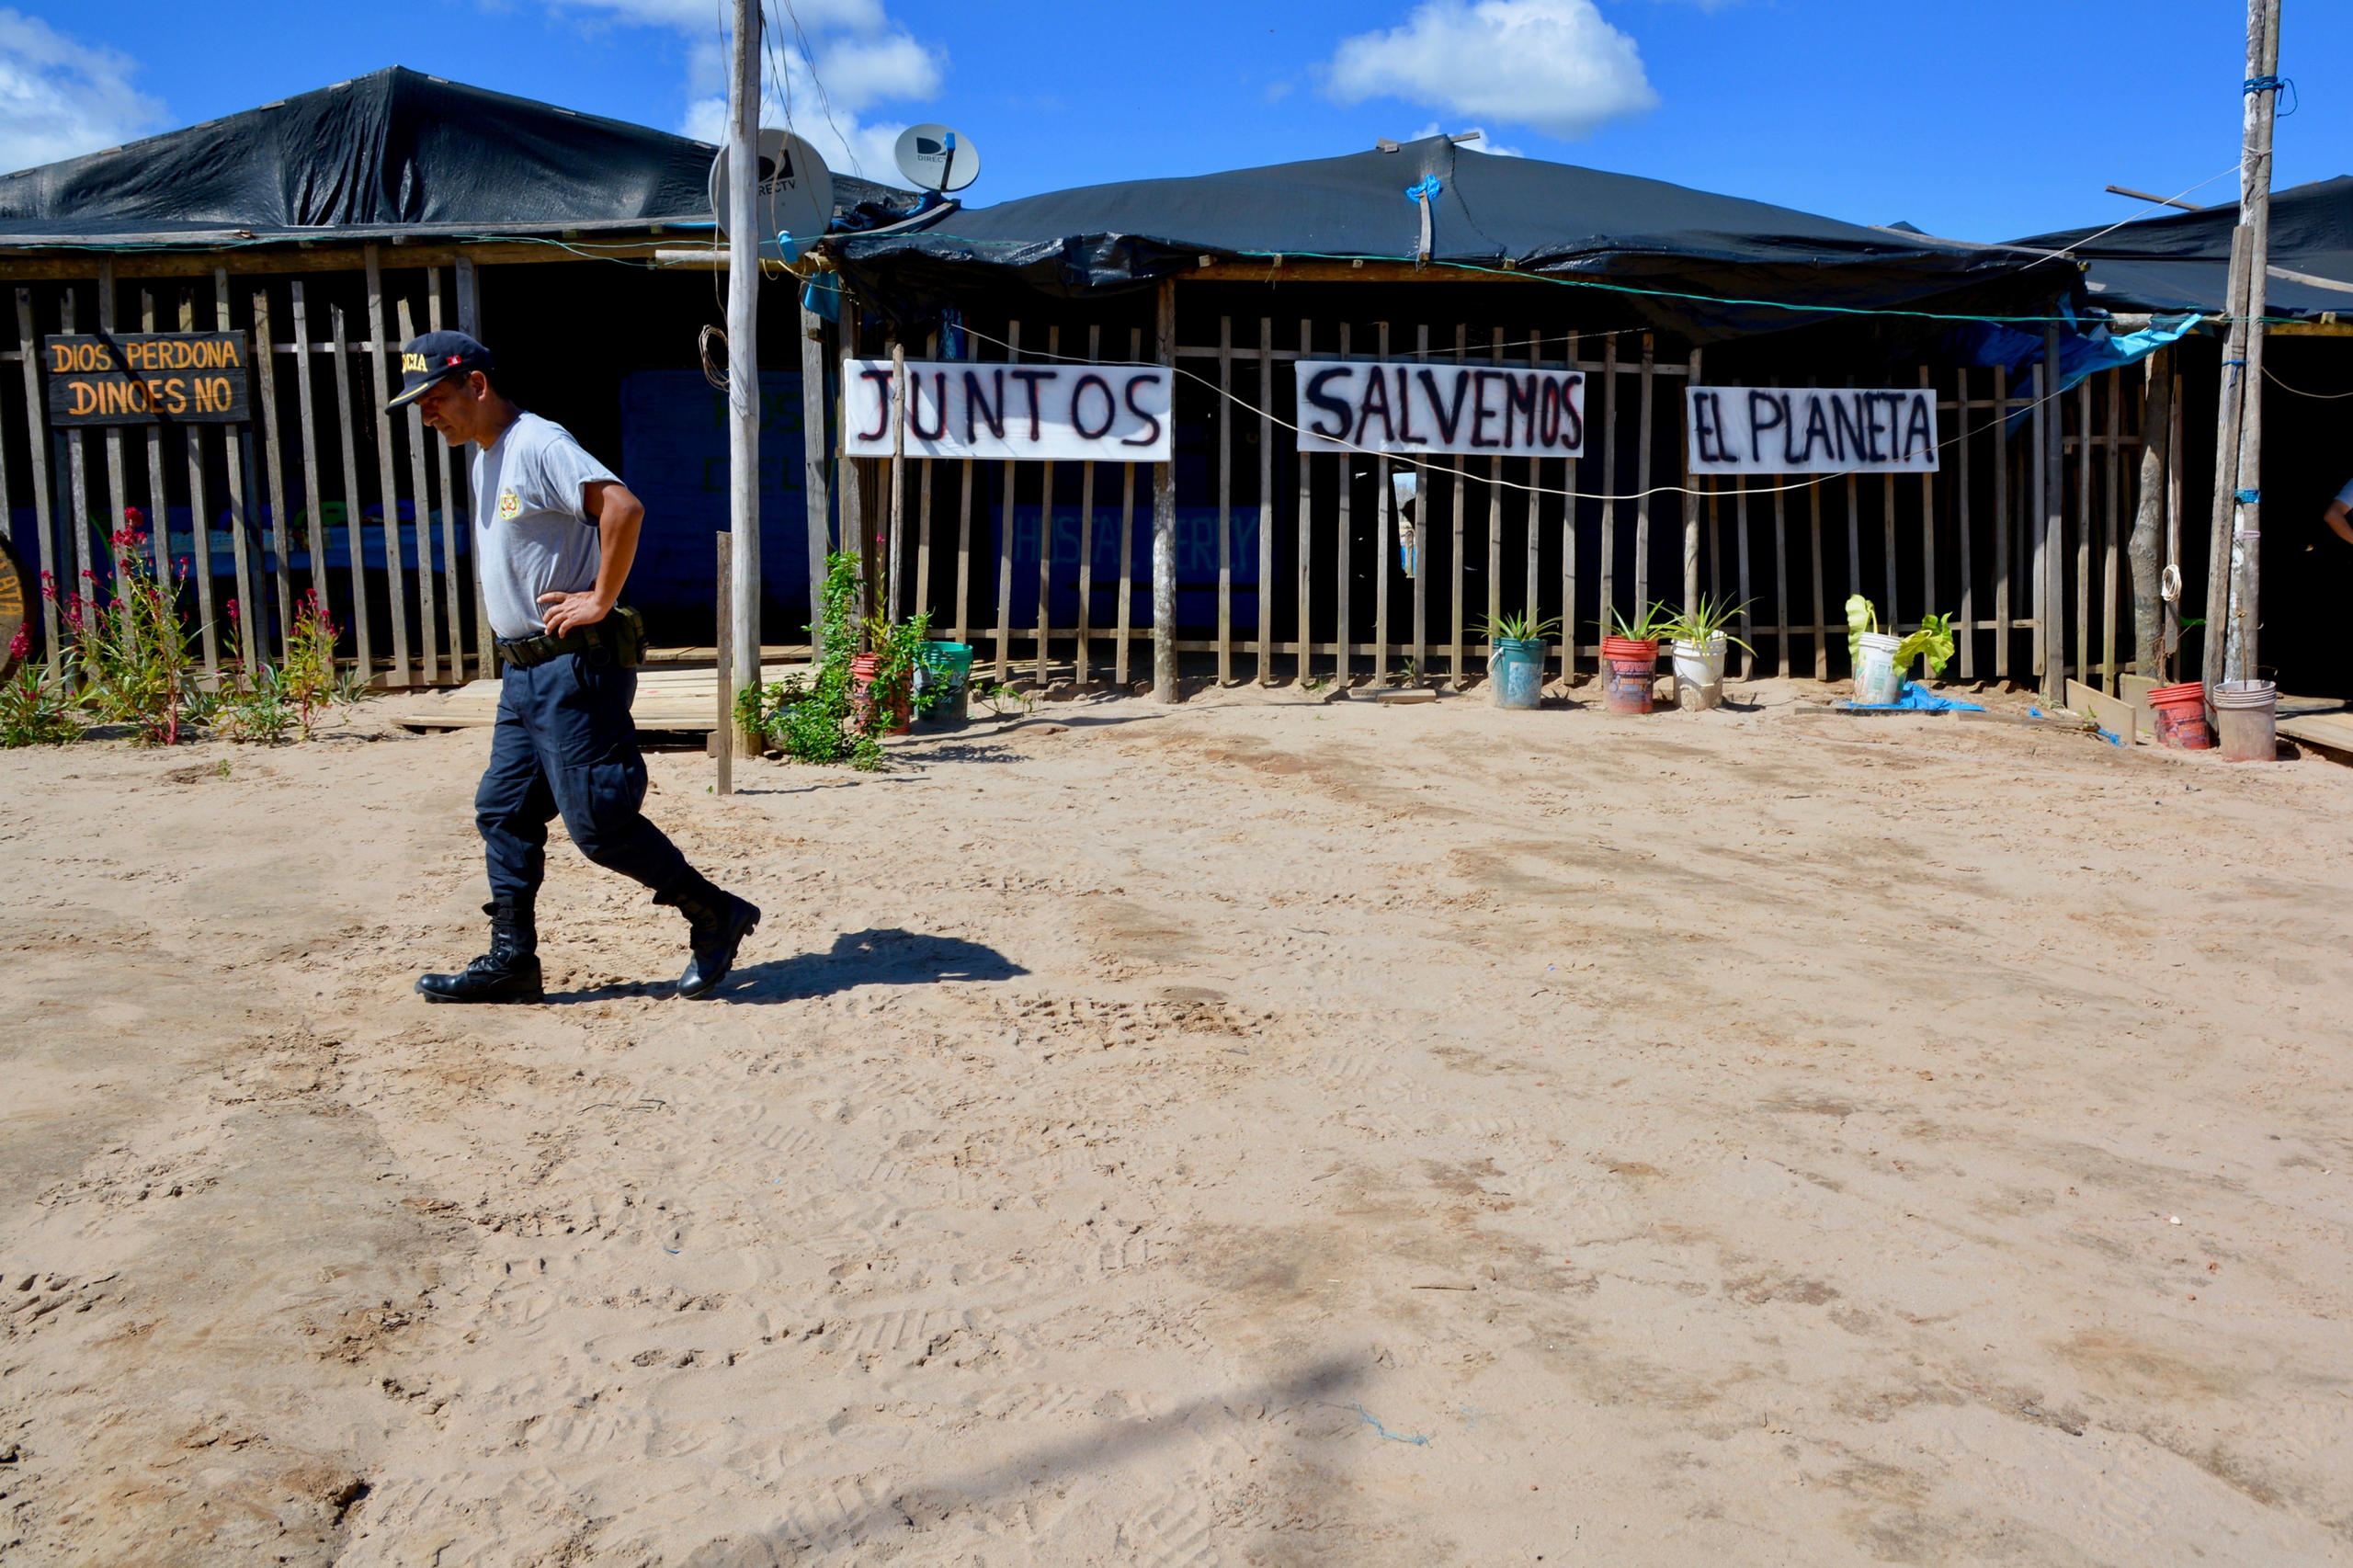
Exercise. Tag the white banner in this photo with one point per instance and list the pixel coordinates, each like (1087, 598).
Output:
(962, 409)
(1812, 429)
(1485, 410)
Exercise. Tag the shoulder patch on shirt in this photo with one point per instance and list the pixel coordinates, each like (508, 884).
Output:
(510, 505)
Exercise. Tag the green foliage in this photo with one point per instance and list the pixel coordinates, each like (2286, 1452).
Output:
(897, 649)
(1704, 622)
(1861, 618)
(35, 708)
(1932, 642)
(1003, 699)
(1651, 622)
(309, 679)
(813, 719)
(1519, 628)
(254, 706)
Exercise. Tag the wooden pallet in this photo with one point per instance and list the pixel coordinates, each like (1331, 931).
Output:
(667, 699)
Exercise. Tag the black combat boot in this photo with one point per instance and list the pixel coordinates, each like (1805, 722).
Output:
(508, 973)
(719, 920)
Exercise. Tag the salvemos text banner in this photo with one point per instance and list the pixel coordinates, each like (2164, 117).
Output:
(1811, 430)
(960, 409)
(1483, 410)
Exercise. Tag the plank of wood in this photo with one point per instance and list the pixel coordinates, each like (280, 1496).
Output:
(273, 466)
(430, 656)
(723, 669)
(1046, 528)
(199, 518)
(1225, 500)
(2003, 551)
(1165, 686)
(470, 322)
(1264, 594)
(453, 491)
(388, 485)
(2115, 715)
(1643, 474)
(116, 499)
(2332, 732)
(1960, 463)
(159, 520)
(1004, 536)
(1692, 503)
(1079, 675)
(2135, 690)
(1126, 631)
(354, 526)
(1303, 530)
(37, 448)
(1569, 538)
(307, 427)
(1608, 481)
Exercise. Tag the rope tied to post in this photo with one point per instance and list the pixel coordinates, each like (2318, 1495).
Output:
(2271, 85)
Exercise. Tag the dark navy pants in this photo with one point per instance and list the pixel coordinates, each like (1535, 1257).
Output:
(564, 746)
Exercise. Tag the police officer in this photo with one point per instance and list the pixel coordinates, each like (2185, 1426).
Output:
(554, 534)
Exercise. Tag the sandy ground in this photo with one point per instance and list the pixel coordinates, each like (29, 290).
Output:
(1260, 1132)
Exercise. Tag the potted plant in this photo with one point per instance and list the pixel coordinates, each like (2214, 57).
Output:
(1515, 659)
(1630, 659)
(1701, 641)
(1880, 660)
(882, 682)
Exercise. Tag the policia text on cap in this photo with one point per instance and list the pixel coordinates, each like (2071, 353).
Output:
(554, 532)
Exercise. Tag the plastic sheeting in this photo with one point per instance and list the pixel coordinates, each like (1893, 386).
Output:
(2182, 261)
(394, 151)
(1707, 266)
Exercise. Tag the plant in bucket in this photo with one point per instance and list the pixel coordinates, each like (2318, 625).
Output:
(943, 682)
(1630, 659)
(1516, 665)
(1701, 641)
(1881, 659)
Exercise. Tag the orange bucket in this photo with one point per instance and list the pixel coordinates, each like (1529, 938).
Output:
(2179, 714)
(1628, 670)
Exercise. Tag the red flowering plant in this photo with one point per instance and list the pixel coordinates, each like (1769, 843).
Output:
(131, 654)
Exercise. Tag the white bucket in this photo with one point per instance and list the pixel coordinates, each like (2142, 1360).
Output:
(1877, 681)
(1700, 674)
(2246, 716)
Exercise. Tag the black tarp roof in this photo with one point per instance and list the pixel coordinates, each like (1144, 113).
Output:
(392, 153)
(2182, 261)
(1491, 212)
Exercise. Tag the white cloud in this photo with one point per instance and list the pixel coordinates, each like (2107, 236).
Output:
(59, 97)
(863, 59)
(1553, 65)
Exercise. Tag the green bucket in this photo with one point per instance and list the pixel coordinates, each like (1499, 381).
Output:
(943, 681)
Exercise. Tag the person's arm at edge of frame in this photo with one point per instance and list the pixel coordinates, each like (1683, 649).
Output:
(618, 515)
(2340, 518)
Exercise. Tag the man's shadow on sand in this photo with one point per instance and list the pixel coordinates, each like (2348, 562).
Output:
(859, 957)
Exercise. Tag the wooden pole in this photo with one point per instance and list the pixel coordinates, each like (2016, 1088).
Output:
(114, 432)
(153, 441)
(1046, 527)
(1080, 675)
(2239, 662)
(1163, 519)
(1692, 503)
(354, 527)
(1225, 500)
(421, 505)
(470, 322)
(37, 433)
(1127, 538)
(816, 453)
(306, 404)
(890, 583)
(396, 551)
(453, 490)
(1304, 532)
(2050, 539)
(723, 738)
(1004, 543)
(278, 538)
(743, 337)
(1266, 500)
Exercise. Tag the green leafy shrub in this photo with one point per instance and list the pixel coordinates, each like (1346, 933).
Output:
(35, 707)
(131, 654)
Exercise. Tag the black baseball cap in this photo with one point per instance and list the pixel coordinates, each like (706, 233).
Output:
(434, 358)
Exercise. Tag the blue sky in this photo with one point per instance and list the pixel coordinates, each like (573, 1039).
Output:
(1984, 120)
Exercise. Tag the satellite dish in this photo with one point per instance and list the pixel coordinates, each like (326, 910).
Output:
(934, 157)
(796, 194)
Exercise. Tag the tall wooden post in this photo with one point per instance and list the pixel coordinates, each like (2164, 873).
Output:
(743, 337)
(1164, 521)
(2050, 539)
(815, 452)
(722, 668)
(2262, 97)
(2146, 546)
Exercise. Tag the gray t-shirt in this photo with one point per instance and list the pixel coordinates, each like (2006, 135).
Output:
(531, 535)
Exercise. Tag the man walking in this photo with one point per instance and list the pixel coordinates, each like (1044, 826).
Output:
(554, 534)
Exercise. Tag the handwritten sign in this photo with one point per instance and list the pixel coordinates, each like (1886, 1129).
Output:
(1495, 410)
(1811, 430)
(146, 378)
(960, 409)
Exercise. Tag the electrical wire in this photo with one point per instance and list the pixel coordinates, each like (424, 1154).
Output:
(2273, 377)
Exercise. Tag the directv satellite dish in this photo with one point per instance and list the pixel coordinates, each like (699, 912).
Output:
(933, 158)
(796, 194)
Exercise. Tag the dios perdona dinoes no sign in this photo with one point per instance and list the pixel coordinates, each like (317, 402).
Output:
(1366, 405)
(960, 409)
(1812, 429)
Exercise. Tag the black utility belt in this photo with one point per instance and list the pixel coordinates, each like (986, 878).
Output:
(622, 634)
